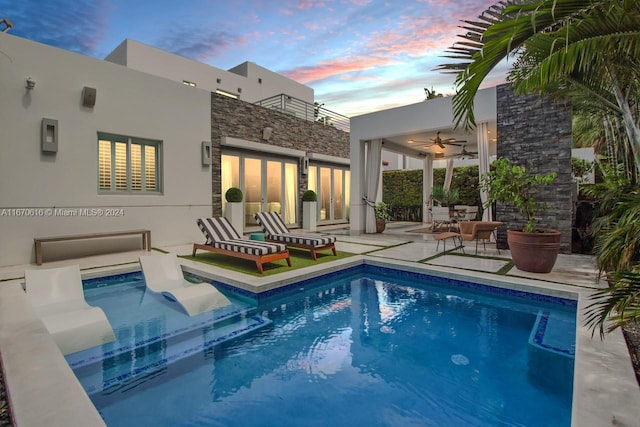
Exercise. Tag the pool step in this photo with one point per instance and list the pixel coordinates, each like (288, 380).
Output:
(125, 345)
(552, 350)
(126, 364)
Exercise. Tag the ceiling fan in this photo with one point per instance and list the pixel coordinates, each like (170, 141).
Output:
(464, 154)
(438, 141)
(441, 142)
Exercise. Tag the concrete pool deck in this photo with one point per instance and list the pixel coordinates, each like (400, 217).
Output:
(42, 389)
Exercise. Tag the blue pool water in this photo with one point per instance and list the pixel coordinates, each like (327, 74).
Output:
(369, 346)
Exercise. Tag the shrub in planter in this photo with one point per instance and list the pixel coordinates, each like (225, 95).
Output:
(381, 210)
(309, 196)
(233, 195)
(532, 249)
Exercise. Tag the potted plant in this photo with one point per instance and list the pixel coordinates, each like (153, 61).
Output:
(381, 210)
(234, 210)
(532, 249)
(444, 197)
(309, 210)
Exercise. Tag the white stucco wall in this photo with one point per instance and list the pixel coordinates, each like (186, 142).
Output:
(272, 84)
(129, 103)
(588, 155)
(245, 76)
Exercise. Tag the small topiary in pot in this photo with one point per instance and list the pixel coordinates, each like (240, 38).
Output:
(233, 195)
(309, 196)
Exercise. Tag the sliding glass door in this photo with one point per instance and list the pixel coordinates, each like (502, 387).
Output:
(331, 183)
(268, 185)
(253, 197)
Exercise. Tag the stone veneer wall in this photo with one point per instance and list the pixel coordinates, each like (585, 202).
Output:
(238, 119)
(536, 132)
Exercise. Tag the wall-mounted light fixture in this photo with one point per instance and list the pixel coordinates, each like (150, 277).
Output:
(205, 147)
(30, 83)
(89, 96)
(7, 24)
(267, 132)
(49, 136)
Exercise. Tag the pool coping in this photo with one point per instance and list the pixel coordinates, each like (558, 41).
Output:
(42, 389)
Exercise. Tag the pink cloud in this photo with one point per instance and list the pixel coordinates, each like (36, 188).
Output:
(308, 4)
(312, 26)
(331, 68)
(305, 4)
(412, 36)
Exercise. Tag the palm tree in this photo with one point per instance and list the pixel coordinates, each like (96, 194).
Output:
(431, 94)
(588, 50)
(618, 253)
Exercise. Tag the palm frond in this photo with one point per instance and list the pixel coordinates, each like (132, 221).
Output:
(615, 306)
(512, 26)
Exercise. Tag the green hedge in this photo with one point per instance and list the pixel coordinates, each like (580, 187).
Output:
(402, 190)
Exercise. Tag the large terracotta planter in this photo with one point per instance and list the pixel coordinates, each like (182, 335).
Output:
(381, 224)
(534, 252)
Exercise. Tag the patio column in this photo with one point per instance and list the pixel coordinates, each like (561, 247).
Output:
(374, 161)
(448, 176)
(427, 184)
(483, 165)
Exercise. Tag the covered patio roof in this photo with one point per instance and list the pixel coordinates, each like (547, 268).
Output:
(410, 130)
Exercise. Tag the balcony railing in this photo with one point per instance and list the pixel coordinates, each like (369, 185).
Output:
(301, 109)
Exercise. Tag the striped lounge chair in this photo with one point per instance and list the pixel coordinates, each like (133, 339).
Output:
(276, 231)
(222, 238)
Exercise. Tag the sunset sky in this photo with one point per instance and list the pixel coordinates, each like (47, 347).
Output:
(358, 55)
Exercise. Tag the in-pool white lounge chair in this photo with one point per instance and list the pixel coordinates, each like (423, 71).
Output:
(222, 238)
(275, 230)
(58, 299)
(163, 275)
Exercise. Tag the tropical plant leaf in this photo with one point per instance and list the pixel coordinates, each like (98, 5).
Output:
(615, 306)
(552, 40)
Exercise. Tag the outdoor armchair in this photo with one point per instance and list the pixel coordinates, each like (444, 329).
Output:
(441, 215)
(478, 230)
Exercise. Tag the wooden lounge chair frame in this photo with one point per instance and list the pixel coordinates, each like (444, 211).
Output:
(232, 237)
(276, 231)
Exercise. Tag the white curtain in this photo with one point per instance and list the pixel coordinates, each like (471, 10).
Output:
(312, 180)
(483, 167)
(226, 178)
(427, 184)
(448, 175)
(374, 159)
(347, 191)
(290, 187)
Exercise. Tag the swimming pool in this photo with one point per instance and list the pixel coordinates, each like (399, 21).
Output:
(367, 346)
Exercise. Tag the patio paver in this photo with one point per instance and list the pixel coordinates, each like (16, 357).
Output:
(469, 263)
